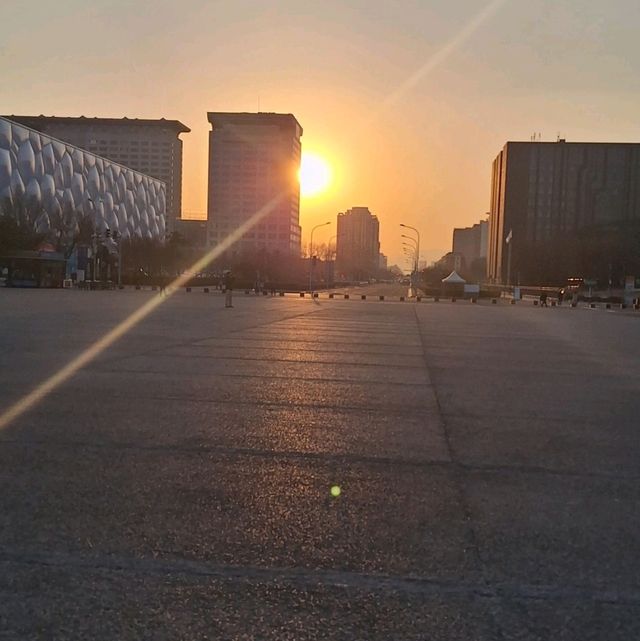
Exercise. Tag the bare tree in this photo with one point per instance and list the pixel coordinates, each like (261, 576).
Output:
(18, 226)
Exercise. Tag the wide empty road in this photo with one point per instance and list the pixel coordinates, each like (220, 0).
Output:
(179, 486)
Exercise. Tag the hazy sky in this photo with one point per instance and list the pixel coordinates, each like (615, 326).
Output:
(414, 148)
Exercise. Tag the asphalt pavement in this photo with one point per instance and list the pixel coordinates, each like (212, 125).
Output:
(179, 487)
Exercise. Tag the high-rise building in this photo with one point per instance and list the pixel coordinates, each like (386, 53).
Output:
(151, 147)
(565, 210)
(357, 244)
(254, 160)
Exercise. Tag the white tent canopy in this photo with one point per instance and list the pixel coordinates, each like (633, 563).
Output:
(454, 279)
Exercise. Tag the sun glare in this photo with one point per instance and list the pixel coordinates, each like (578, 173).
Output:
(315, 174)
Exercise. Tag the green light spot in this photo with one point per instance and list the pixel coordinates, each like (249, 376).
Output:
(335, 491)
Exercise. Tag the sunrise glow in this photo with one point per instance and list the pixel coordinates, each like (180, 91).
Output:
(315, 174)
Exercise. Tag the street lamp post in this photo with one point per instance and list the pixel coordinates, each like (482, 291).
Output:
(117, 236)
(410, 255)
(311, 255)
(414, 248)
(417, 243)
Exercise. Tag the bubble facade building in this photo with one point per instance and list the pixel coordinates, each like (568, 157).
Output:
(53, 176)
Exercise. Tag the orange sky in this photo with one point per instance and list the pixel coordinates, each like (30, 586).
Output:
(492, 71)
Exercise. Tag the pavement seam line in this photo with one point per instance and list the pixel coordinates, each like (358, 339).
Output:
(456, 471)
(310, 577)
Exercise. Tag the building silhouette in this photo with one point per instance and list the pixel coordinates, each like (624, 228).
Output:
(151, 147)
(357, 244)
(569, 209)
(472, 243)
(254, 159)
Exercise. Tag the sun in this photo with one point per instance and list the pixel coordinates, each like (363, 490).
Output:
(314, 174)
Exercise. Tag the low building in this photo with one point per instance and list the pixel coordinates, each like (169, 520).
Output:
(24, 268)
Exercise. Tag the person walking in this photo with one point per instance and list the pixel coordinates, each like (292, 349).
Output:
(543, 299)
(228, 288)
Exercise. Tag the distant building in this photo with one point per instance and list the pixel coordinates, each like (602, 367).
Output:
(358, 244)
(570, 210)
(472, 244)
(151, 147)
(194, 232)
(451, 261)
(254, 160)
(382, 262)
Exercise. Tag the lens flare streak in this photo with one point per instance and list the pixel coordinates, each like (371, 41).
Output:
(50, 384)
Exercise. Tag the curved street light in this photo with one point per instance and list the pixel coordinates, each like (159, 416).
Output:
(414, 247)
(417, 241)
